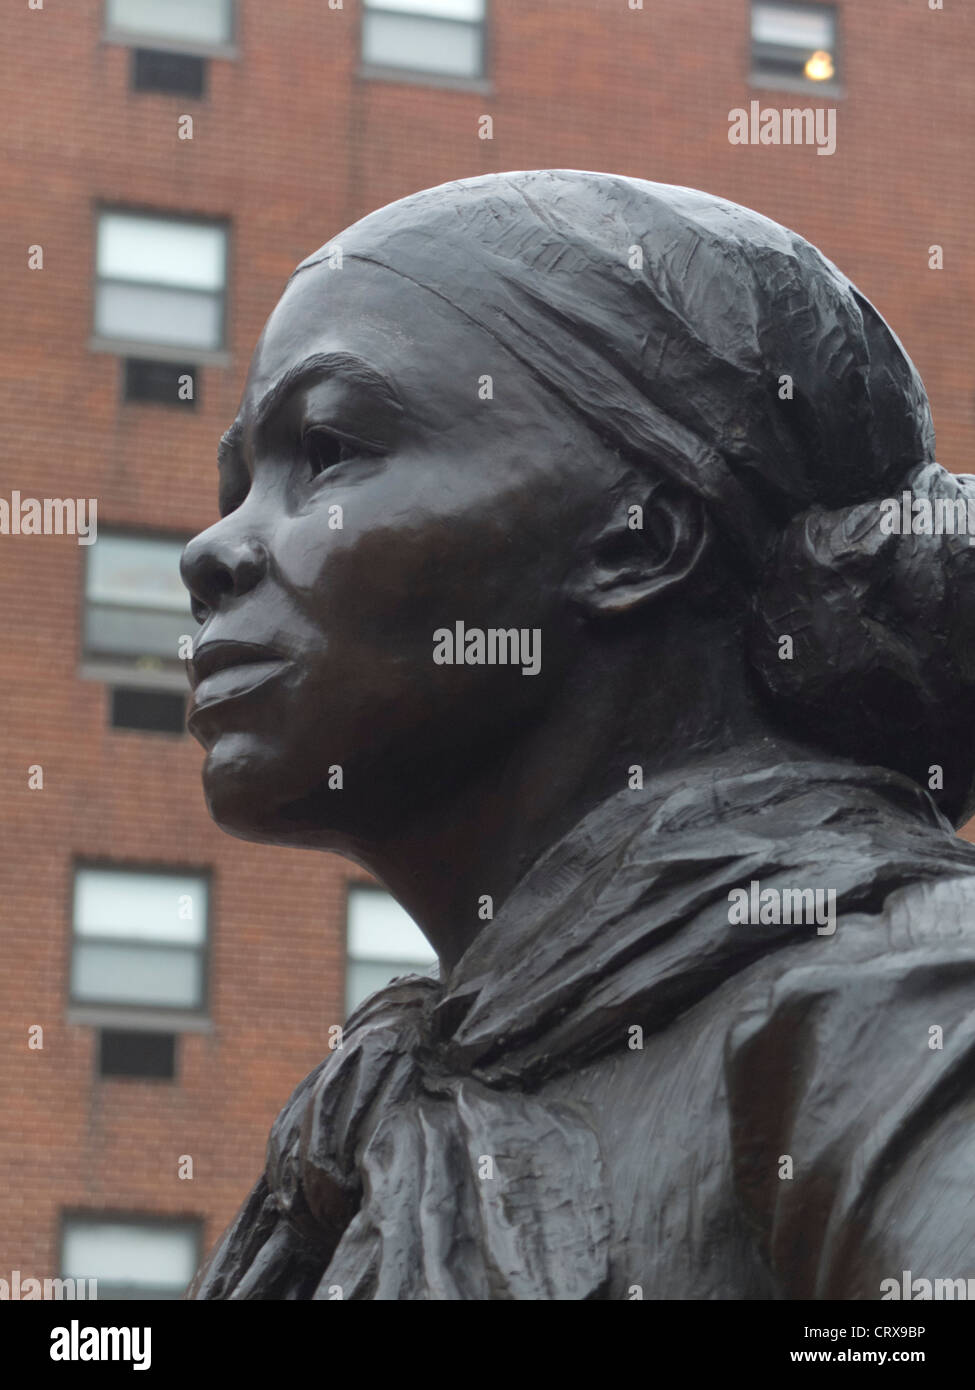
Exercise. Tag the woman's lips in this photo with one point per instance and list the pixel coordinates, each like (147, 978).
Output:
(225, 670)
(232, 681)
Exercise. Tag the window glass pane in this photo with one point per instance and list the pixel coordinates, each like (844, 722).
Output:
(437, 9)
(161, 250)
(151, 975)
(424, 45)
(152, 907)
(122, 1253)
(383, 942)
(151, 711)
(379, 929)
(182, 74)
(132, 1052)
(143, 315)
(141, 571)
(163, 383)
(366, 977)
(191, 21)
(783, 24)
(135, 633)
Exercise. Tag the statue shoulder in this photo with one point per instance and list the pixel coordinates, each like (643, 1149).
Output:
(839, 1067)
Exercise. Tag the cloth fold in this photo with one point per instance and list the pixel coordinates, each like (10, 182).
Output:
(434, 1156)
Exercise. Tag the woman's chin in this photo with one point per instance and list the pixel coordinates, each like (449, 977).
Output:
(241, 783)
(249, 795)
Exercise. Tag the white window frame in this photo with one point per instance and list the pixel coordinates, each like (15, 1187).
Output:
(134, 38)
(110, 669)
(111, 1292)
(183, 353)
(145, 1017)
(426, 76)
(402, 965)
(760, 77)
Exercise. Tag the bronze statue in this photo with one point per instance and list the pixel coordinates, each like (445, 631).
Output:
(558, 583)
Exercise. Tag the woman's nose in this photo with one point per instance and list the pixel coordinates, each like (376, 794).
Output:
(219, 564)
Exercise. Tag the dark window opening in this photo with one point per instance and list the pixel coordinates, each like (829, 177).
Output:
(182, 74)
(785, 62)
(152, 711)
(124, 1053)
(159, 383)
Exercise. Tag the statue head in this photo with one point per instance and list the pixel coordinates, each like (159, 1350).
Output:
(538, 470)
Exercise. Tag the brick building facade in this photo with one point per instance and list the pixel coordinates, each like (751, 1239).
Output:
(304, 118)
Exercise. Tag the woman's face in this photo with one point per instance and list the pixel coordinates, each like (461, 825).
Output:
(375, 488)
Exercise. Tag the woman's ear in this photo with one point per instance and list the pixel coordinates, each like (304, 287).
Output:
(651, 544)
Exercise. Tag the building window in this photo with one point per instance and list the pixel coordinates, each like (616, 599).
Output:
(139, 941)
(130, 1257)
(200, 26)
(147, 711)
(794, 43)
(160, 282)
(178, 74)
(442, 37)
(129, 1052)
(147, 382)
(137, 620)
(383, 942)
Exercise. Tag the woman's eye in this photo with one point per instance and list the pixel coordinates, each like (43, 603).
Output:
(323, 450)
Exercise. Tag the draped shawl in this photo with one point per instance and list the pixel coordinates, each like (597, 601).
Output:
(436, 1156)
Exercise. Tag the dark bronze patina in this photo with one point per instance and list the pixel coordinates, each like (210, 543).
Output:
(651, 432)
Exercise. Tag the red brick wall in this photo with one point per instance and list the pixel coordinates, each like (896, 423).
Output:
(291, 145)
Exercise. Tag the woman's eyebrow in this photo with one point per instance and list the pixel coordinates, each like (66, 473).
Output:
(321, 364)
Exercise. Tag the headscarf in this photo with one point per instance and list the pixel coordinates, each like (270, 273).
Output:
(666, 318)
